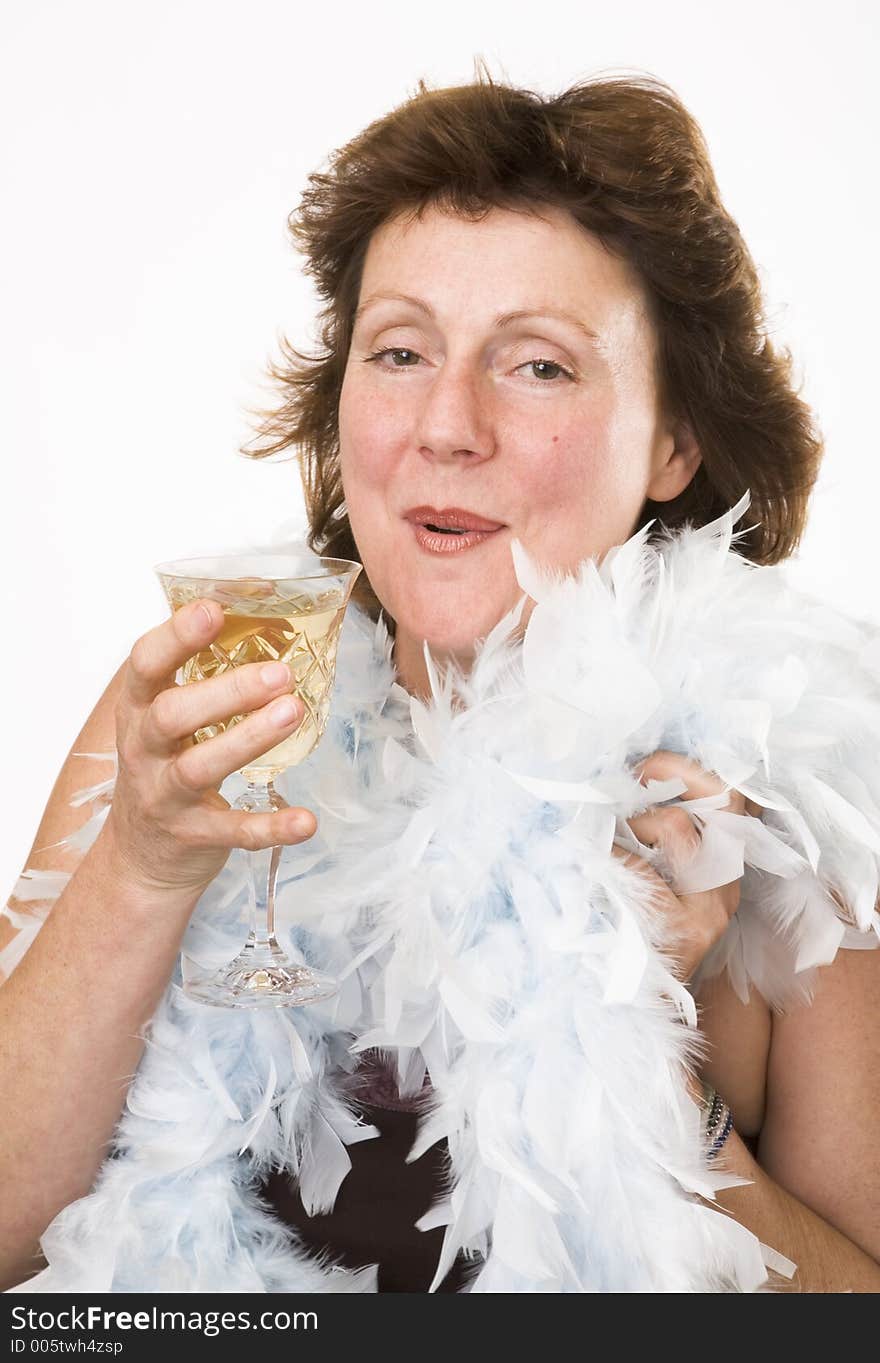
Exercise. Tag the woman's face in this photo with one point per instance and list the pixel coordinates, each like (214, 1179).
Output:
(546, 424)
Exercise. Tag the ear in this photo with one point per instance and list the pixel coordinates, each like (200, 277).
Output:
(675, 463)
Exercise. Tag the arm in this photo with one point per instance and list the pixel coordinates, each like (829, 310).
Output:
(69, 1034)
(827, 1261)
(815, 1195)
(72, 1011)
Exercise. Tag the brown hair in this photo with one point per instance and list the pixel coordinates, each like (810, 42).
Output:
(629, 162)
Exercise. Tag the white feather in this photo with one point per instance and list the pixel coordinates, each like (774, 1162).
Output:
(485, 932)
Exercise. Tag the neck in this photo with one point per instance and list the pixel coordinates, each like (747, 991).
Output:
(409, 663)
(408, 655)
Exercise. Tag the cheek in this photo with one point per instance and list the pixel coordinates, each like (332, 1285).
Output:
(580, 492)
(366, 436)
(569, 464)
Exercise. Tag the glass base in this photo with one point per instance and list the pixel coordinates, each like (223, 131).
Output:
(271, 982)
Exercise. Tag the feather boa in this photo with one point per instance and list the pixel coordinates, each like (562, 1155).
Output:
(461, 884)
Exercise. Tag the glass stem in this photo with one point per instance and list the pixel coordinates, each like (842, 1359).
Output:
(262, 946)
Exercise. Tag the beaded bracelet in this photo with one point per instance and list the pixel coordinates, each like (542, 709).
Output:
(719, 1120)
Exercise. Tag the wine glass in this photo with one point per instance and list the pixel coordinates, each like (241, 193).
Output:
(284, 607)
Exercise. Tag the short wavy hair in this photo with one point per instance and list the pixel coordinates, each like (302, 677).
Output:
(630, 164)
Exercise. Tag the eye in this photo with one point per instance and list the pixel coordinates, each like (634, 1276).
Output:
(560, 369)
(392, 350)
(550, 364)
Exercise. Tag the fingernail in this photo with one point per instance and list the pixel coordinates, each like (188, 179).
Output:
(284, 711)
(203, 616)
(275, 674)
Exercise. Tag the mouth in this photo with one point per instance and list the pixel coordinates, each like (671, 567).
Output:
(435, 539)
(450, 530)
(451, 520)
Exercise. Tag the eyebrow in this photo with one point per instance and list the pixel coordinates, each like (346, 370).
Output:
(504, 319)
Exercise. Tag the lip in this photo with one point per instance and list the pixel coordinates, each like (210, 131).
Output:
(435, 542)
(451, 517)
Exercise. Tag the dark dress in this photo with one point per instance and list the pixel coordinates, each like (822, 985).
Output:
(381, 1197)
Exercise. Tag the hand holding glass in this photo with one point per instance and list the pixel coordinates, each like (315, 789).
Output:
(278, 607)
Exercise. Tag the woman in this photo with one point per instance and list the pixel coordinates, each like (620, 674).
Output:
(565, 341)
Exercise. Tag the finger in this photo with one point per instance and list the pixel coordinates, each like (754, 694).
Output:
(643, 867)
(158, 654)
(206, 765)
(626, 856)
(253, 832)
(671, 829)
(662, 765)
(180, 711)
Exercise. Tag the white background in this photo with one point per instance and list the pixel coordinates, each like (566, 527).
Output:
(152, 154)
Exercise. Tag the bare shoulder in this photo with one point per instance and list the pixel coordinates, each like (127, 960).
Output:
(60, 818)
(739, 1036)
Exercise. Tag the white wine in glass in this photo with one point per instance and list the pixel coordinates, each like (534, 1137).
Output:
(277, 607)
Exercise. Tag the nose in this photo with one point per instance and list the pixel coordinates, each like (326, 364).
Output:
(453, 421)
